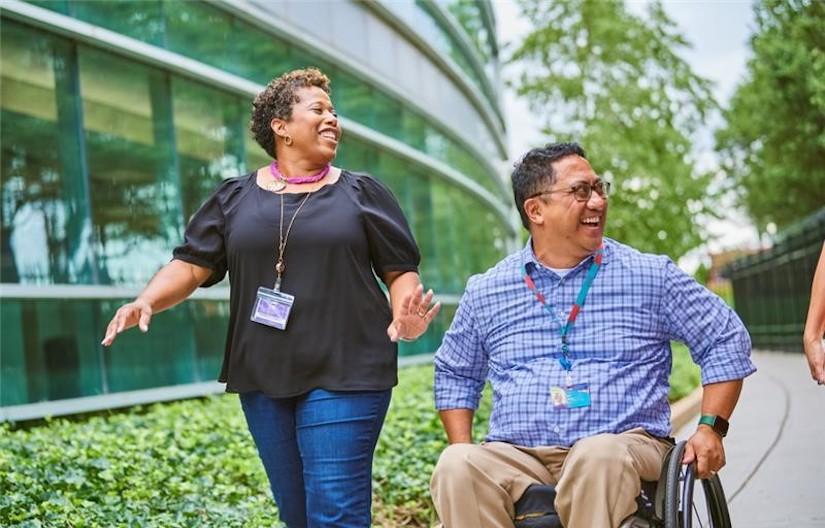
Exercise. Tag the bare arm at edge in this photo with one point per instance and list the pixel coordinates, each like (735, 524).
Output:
(815, 324)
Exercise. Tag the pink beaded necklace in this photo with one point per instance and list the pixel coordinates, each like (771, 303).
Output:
(281, 180)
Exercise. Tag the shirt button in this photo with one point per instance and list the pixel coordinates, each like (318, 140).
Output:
(557, 429)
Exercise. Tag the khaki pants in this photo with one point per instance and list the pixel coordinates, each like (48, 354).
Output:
(597, 480)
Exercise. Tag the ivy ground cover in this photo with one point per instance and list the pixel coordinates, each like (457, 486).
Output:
(192, 463)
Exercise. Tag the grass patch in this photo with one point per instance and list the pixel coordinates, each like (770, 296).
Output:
(685, 374)
(193, 463)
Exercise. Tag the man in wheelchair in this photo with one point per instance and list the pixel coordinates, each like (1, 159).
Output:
(579, 391)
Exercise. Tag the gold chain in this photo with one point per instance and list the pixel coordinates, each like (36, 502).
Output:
(280, 267)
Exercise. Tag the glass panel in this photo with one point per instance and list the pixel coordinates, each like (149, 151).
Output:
(211, 319)
(414, 129)
(394, 174)
(460, 245)
(161, 357)
(35, 218)
(209, 138)
(256, 157)
(354, 155)
(446, 248)
(386, 115)
(352, 97)
(298, 58)
(421, 221)
(256, 54)
(461, 160)
(50, 351)
(132, 165)
(468, 13)
(443, 40)
(61, 6)
(213, 36)
(199, 31)
(140, 19)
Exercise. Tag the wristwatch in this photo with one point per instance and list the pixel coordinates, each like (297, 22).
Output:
(717, 423)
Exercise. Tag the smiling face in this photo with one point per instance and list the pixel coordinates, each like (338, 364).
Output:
(313, 126)
(564, 226)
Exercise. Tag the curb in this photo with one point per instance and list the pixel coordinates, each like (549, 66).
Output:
(682, 411)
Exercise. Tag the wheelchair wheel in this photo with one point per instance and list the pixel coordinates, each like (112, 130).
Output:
(683, 505)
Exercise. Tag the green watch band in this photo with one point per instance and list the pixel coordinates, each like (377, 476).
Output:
(717, 423)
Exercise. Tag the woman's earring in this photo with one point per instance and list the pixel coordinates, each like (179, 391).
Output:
(288, 140)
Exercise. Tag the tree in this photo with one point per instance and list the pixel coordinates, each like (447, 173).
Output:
(773, 146)
(611, 80)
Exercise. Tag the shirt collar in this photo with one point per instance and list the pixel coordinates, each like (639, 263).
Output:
(531, 262)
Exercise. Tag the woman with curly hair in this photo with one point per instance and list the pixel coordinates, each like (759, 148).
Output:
(311, 343)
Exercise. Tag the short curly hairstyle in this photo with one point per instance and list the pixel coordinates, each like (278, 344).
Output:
(277, 100)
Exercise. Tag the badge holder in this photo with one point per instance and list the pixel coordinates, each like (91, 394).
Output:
(571, 395)
(272, 308)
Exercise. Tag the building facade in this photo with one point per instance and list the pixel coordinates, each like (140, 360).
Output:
(120, 117)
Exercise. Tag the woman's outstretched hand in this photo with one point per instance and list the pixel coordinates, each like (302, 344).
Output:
(137, 312)
(415, 316)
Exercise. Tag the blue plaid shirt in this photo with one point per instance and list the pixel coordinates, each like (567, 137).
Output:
(619, 345)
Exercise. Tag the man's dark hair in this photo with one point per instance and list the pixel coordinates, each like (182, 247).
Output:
(534, 172)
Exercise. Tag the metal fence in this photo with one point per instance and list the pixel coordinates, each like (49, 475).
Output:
(771, 289)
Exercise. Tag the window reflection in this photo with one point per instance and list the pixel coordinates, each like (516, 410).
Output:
(210, 34)
(256, 157)
(199, 31)
(209, 136)
(140, 19)
(132, 166)
(34, 216)
(51, 352)
(162, 357)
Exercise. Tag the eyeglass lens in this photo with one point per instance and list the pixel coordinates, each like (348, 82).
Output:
(583, 191)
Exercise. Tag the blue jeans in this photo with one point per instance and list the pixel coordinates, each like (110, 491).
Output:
(317, 452)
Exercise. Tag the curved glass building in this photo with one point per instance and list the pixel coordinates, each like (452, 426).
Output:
(120, 117)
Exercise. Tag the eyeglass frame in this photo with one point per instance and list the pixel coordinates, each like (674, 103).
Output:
(573, 189)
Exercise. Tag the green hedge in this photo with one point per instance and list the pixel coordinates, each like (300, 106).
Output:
(192, 463)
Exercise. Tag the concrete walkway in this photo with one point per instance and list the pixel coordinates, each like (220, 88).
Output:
(775, 472)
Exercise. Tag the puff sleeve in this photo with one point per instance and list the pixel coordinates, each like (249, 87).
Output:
(391, 243)
(204, 243)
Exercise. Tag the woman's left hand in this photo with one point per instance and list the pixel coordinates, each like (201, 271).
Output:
(414, 317)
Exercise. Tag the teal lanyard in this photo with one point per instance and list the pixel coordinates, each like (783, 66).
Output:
(577, 306)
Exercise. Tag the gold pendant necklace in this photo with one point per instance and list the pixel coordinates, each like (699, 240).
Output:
(275, 185)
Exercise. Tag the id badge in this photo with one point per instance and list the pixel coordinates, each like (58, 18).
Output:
(571, 397)
(272, 308)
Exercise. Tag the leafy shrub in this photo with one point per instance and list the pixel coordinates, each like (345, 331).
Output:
(685, 374)
(193, 463)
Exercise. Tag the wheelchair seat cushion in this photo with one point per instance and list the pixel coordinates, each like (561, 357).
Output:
(536, 508)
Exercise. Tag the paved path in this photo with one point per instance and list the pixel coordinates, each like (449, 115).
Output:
(775, 475)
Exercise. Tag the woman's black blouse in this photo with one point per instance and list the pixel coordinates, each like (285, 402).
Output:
(336, 336)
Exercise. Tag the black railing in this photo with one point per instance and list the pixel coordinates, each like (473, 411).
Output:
(771, 289)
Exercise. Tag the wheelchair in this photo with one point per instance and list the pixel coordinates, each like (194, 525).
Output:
(672, 502)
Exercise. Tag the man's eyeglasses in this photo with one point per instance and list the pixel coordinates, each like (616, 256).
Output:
(581, 191)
